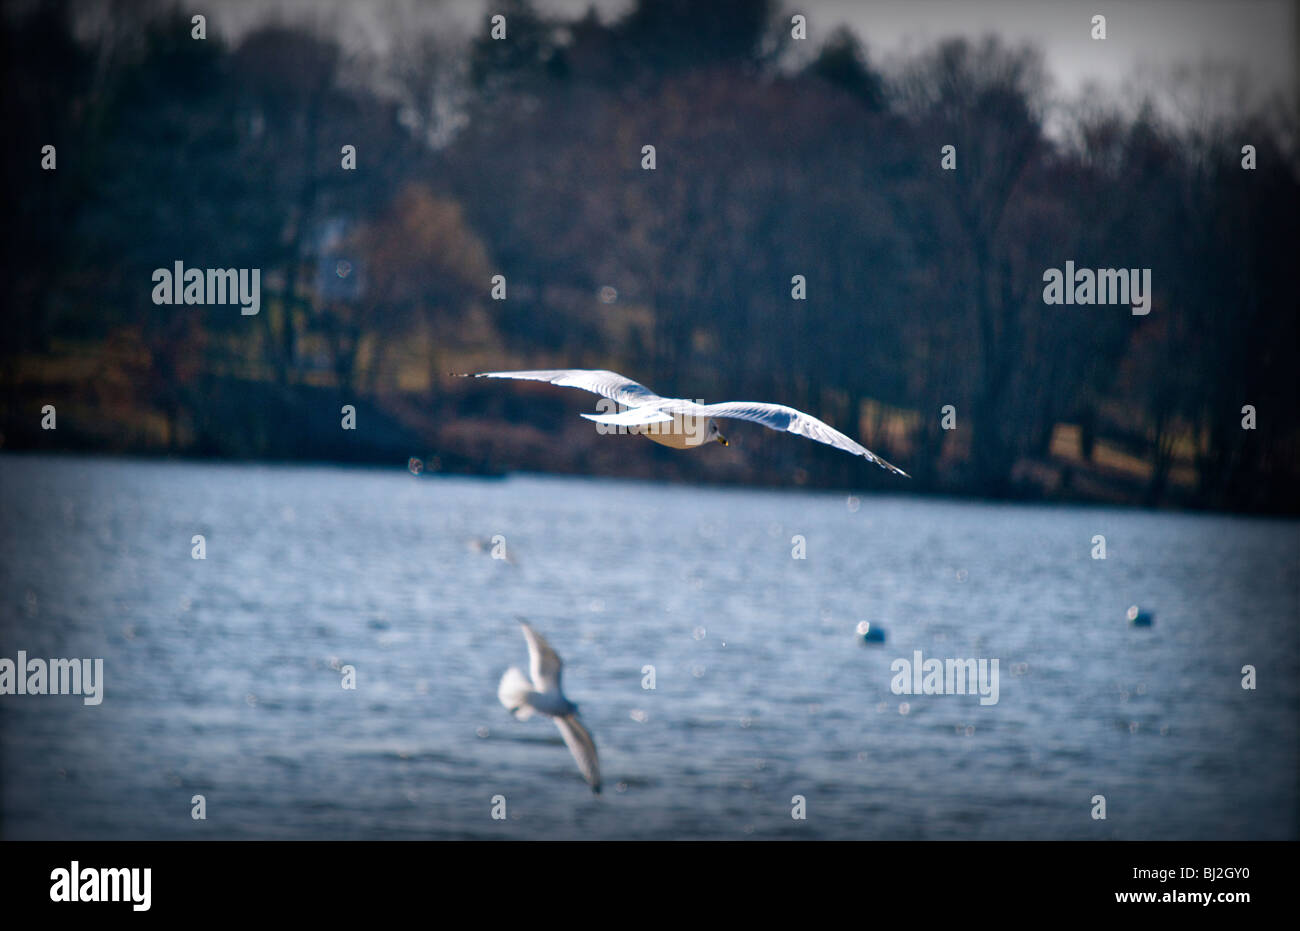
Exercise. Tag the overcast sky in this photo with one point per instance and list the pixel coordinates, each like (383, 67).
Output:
(1144, 37)
(1260, 35)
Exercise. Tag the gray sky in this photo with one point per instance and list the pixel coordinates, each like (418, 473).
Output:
(1144, 37)
(1258, 35)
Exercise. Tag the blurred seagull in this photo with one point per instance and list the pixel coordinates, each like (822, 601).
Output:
(691, 424)
(543, 695)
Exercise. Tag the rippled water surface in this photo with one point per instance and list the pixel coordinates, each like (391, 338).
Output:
(222, 675)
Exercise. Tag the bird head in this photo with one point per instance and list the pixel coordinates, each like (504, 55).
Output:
(715, 435)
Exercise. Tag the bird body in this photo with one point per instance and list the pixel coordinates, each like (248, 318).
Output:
(676, 433)
(539, 692)
(683, 424)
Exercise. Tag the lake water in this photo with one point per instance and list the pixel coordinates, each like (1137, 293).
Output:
(222, 676)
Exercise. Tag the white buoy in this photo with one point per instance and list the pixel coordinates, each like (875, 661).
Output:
(1139, 618)
(871, 633)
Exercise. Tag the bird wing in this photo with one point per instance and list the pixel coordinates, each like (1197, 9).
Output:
(582, 747)
(633, 416)
(780, 417)
(544, 664)
(607, 384)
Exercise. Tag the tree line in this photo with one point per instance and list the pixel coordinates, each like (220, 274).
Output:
(922, 328)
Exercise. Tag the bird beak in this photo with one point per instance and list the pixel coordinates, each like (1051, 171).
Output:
(723, 440)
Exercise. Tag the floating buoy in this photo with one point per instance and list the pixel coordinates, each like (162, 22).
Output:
(1139, 618)
(870, 632)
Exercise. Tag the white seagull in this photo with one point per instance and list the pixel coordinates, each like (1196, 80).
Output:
(680, 423)
(543, 695)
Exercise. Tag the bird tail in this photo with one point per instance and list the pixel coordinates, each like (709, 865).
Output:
(513, 693)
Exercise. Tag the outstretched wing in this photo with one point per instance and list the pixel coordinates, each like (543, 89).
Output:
(582, 747)
(780, 417)
(543, 663)
(598, 381)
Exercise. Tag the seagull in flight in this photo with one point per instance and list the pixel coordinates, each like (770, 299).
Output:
(542, 694)
(680, 423)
